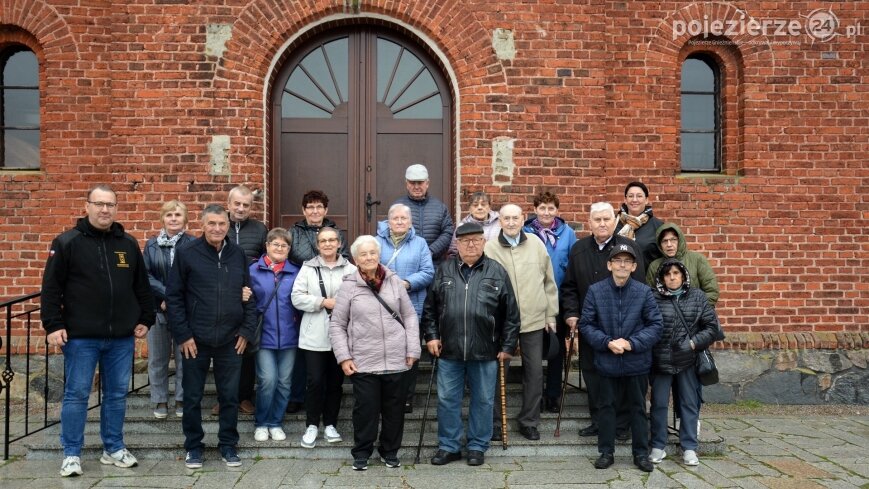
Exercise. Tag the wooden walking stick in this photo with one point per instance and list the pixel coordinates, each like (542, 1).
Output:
(503, 386)
(564, 384)
(434, 366)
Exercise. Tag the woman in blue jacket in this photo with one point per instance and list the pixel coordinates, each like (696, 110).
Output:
(272, 278)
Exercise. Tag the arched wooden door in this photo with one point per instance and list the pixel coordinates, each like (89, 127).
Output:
(352, 109)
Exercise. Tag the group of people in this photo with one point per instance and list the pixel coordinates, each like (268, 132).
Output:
(283, 316)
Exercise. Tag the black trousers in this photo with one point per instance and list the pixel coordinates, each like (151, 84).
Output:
(227, 365)
(247, 378)
(323, 397)
(592, 385)
(628, 393)
(377, 397)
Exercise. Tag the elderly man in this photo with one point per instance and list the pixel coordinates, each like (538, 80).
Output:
(431, 218)
(211, 322)
(587, 265)
(95, 301)
(470, 320)
(621, 322)
(250, 235)
(527, 263)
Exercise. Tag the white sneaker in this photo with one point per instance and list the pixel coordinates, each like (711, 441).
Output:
(657, 455)
(309, 439)
(121, 458)
(277, 434)
(261, 433)
(331, 435)
(70, 466)
(690, 458)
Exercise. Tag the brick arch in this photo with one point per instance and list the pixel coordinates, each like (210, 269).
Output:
(49, 29)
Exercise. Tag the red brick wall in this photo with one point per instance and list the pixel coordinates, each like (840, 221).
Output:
(592, 99)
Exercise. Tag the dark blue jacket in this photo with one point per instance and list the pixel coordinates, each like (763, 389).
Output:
(203, 295)
(281, 320)
(157, 263)
(432, 221)
(630, 312)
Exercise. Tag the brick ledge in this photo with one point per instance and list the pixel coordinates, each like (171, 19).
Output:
(843, 340)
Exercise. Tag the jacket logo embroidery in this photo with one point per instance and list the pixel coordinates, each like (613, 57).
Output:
(122, 259)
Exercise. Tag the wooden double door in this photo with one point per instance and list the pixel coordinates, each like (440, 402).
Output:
(352, 109)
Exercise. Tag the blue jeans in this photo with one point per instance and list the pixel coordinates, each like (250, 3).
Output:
(451, 386)
(227, 370)
(274, 371)
(81, 357)
(687, 405)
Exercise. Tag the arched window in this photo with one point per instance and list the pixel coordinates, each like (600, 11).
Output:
(19, 109)
(701, 116)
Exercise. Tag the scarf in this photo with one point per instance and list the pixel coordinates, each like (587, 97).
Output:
(397, 238)
(630, 224)
(164, 241)
(376, 282)
(547, 235)
(275, 267)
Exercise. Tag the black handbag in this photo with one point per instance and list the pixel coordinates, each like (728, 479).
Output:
(707, 372)
(253, 346)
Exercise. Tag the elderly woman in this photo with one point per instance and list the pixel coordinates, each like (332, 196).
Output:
(480, 212)
(690, 325)
(559, 239)
(408, 255)
(159, 255)
(636, 221)
(375, 336)
(314, 294)
(272, 278)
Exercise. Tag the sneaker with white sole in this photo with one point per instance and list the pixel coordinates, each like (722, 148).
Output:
(193, 459)
(309, 439)
(690, 458)
(71, 466)
(261, 433)
(122, 458)
(657, 455)
(230, 456)
(331, 435)
(277, 434)
(160, 411)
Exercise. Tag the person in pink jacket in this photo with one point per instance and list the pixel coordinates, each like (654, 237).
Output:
(375, 337)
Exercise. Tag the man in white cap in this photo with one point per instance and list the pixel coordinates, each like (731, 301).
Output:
(430, 216)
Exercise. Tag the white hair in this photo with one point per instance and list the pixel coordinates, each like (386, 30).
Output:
(361, 240)
(399, 207)
(603, 207)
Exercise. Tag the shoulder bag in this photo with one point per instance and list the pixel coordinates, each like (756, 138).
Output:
(707, 372)
(253, 346)
(386, 306)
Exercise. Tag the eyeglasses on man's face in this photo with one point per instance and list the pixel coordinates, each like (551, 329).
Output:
(625, 262)
(471, 241)
(100, 205)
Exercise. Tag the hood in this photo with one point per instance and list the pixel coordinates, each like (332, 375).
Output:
(659, 278)
(681, 249)
(85, 227)
(491, 218)
(303, 224)
(318, 262)
(383, 231)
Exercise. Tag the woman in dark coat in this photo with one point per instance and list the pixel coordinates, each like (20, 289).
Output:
(674, 357)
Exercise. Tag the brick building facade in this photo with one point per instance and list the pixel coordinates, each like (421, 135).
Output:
(575, 96)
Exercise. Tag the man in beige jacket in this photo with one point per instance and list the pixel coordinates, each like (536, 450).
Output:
(530, 270)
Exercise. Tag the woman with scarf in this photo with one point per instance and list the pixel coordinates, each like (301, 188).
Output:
(480, 212)
(408, 255)
(690, 325)
(636, 221)
(375, 336)
(159, 254)
(559, 239)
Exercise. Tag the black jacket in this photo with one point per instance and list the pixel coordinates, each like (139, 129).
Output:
(95, 284)
(474, 319)
(305, 241)
(673, 353)
(157, 264)
(203, 295)
(431, 220)
(250, 235)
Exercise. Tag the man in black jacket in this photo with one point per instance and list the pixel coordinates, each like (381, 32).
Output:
(211, 322)
(95, 301)
(250, 235)
(587, 265)
(470, 319)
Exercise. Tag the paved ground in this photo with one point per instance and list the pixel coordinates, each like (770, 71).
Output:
(764, 452)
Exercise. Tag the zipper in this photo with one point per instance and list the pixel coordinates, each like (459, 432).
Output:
(237, 232)
(220, 271)
(465, 321)
(277, 311)
(104, 253)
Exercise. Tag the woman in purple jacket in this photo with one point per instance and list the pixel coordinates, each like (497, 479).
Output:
(375, 343)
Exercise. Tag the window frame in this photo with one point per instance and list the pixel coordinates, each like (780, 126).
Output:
(6, 52)
(712, 63)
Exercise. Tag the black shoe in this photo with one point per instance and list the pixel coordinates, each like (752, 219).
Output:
(295, 407)
(590, 430)
(644, 464)
(496, 433)
(623, 435)
(553, 405)
(476, 457)
(408, 407)
(391, 461)
(604, 461)
(529, 432)
(443, 457)
(360, 464)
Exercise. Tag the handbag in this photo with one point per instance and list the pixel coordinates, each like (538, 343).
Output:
(707, 372)
(253, 346)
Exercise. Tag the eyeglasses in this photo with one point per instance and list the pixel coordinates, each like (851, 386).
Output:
(327, 240)
(625, 262)
(279, 246)
(471, 241)
(315, 207)
(669, 240)
(416, 183)
(100, 205)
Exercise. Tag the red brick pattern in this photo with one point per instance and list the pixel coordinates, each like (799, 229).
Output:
(592, 100)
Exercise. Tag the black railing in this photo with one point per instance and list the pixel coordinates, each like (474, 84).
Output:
(21, 311)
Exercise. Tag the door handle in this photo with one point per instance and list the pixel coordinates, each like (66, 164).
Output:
(368, 205)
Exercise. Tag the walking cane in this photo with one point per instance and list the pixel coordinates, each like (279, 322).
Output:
(564, 384)
(434, 366)
(503, 385)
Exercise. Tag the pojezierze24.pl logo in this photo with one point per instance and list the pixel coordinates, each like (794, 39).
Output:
(820, 25)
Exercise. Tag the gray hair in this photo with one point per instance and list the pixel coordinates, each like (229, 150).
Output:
(213, 209)
(509, 206)
(361, 240)
(399, 207)
(603, 207)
